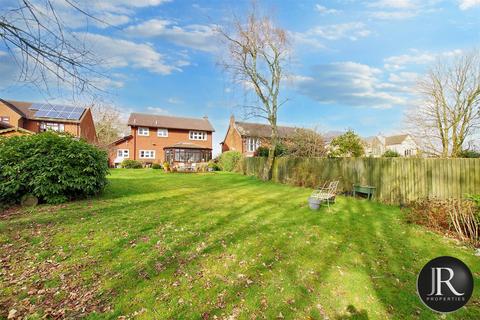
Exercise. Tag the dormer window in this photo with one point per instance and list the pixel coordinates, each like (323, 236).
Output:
(198, 135)
(142, 131)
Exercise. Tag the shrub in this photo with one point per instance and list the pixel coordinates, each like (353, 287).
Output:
(157, 166)
(166, 166)
(469, 154)
(131, 164)
(228, 160)
(263, 151)
(458, 217)
(391, 154)
(52, 167)
(213, 166)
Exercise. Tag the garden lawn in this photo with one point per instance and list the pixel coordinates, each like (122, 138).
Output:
(192, 246)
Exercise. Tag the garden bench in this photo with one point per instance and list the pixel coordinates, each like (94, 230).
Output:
(367, 190)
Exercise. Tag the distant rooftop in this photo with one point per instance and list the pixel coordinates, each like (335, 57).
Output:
(45, 111)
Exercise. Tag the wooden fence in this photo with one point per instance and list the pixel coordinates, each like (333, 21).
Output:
(398, 180)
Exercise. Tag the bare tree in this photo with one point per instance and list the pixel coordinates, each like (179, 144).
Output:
(306, 143)
(108, 124)
(39, 41)
(257, 53)
(450, 107)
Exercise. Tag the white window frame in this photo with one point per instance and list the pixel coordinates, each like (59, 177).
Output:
(151, 154)
(197, 135)
(125, 153)
(55, 126)
(162, 132)
(142, 130)
(252, 143)
(5, 119)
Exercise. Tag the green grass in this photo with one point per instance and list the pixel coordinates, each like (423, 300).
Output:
(188, 246)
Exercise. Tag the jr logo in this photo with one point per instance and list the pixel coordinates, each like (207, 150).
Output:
(445, 284)
(437, 282)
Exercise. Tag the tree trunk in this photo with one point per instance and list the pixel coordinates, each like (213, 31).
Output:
(267, 170)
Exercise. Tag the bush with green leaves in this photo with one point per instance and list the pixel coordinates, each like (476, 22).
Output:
(280, 150)
(348, 144)
(391, 154)
(213, 166)
(131, 164)
(229, 160)
(469, 154)
(157, 166)
(52, 167)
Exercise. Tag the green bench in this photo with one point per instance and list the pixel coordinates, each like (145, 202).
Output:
(367, 190)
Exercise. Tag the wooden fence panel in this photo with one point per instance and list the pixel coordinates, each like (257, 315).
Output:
(398, 180)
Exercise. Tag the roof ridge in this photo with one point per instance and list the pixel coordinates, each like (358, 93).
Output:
(266, 124)
(168, 116)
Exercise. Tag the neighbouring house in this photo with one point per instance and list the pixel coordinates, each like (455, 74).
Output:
(403, 144)
(28, 118)
(246, 137)
(156, 139)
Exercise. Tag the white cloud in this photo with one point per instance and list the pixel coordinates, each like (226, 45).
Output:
(324, 10)
(101, 14)
(195, 36)
(416, 57)
(393, 15)
(174, 100)
(349, 83)
(158, 110)
(315, 36)
(400, 9)
(118, 53)
(468, 4)
(396, 4)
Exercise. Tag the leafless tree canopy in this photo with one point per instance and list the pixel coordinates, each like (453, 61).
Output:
(257, 53)
(108, 124)
(450, 111)
(47, 53)
(306, 143)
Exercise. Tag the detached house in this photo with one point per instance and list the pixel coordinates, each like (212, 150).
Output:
(403, 144)
(156, 139)
(246, 137)
(18, 118)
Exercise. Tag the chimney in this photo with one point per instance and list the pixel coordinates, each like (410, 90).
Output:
(232, 119)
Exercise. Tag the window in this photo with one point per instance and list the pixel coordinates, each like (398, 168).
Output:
(198, 135)
(123, 153)
(44, 126)
(162, 133)
(147, 154)
(188, 155)
(252, 144)
(143, 131)
(4, 119)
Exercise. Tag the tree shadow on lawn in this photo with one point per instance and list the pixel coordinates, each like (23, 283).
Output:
(195, 254)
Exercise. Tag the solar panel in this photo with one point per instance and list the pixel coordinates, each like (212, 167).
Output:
(57, 111)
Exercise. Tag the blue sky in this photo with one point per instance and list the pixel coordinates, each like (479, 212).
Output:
(353, 63)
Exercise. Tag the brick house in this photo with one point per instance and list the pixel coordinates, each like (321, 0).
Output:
(246, 137)
(28, 118)
(156, 139)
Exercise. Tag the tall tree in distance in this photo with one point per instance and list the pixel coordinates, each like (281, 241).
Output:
(449, 113)
(108, 124)
(257, 52)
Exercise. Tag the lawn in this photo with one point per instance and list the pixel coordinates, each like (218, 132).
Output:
(216, 245)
